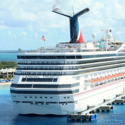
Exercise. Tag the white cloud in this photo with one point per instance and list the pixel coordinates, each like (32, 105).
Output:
(38, 18)
(23, 33)
(87, 1)
(4, 27)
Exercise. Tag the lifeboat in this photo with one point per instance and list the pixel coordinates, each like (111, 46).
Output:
(106, 79)
(109, 78)
(122, 75)
(97, 83)
(103, 80)
(113, 77)
(119, 77)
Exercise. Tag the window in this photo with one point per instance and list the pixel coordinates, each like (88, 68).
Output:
(24, 86)
(30, 102)
(41, 103)
(51, 103)
(55, 86)
(13, 85)
(79, 57)
(70, 57)
(44, 92)
(39, 79)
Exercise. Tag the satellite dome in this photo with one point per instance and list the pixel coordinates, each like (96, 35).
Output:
(93, 35)
(109, 35)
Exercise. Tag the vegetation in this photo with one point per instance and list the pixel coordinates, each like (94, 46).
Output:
(8, 78)
(5, 64)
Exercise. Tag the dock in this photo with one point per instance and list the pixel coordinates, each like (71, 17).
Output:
(89, 113)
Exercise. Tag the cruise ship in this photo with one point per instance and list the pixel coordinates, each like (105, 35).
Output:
(71, 76)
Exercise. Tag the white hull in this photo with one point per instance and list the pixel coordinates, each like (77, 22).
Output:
(84, 99)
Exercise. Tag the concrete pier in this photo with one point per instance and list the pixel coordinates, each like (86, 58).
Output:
(105, 107)
(117, 101)
(81, 116)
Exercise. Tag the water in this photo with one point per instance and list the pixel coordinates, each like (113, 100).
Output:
(8, 115)
(8, 57)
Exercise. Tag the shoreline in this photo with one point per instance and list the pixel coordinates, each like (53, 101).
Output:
(6, 83)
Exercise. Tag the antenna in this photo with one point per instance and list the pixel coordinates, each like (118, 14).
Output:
(73, 9)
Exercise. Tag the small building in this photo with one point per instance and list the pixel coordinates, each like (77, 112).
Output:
(7, 72)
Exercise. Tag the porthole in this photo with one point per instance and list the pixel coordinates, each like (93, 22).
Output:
(35, 97)
(40, 97)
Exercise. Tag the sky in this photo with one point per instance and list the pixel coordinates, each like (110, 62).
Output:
(24, 22)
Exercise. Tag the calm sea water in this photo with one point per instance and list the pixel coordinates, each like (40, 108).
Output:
(8, 57)
(8, 116)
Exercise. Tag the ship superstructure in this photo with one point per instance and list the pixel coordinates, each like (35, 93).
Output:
(70, 76)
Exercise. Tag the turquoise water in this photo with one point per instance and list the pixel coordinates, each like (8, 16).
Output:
(8, 57)
(8, 116)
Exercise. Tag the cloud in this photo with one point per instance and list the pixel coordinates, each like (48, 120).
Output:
(87, 1)
(30, 18)
(23, 33)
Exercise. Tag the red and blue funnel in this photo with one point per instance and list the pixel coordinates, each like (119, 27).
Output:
(75, 31)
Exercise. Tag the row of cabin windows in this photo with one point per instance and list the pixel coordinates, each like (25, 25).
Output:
(39, 79)
(71, 62)
(41, 97)
(45, 68)
(42, 103)
(71, 73)
(44, 85)
(70, 68)
(65, 57)
(44, 92)
(49, 57)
